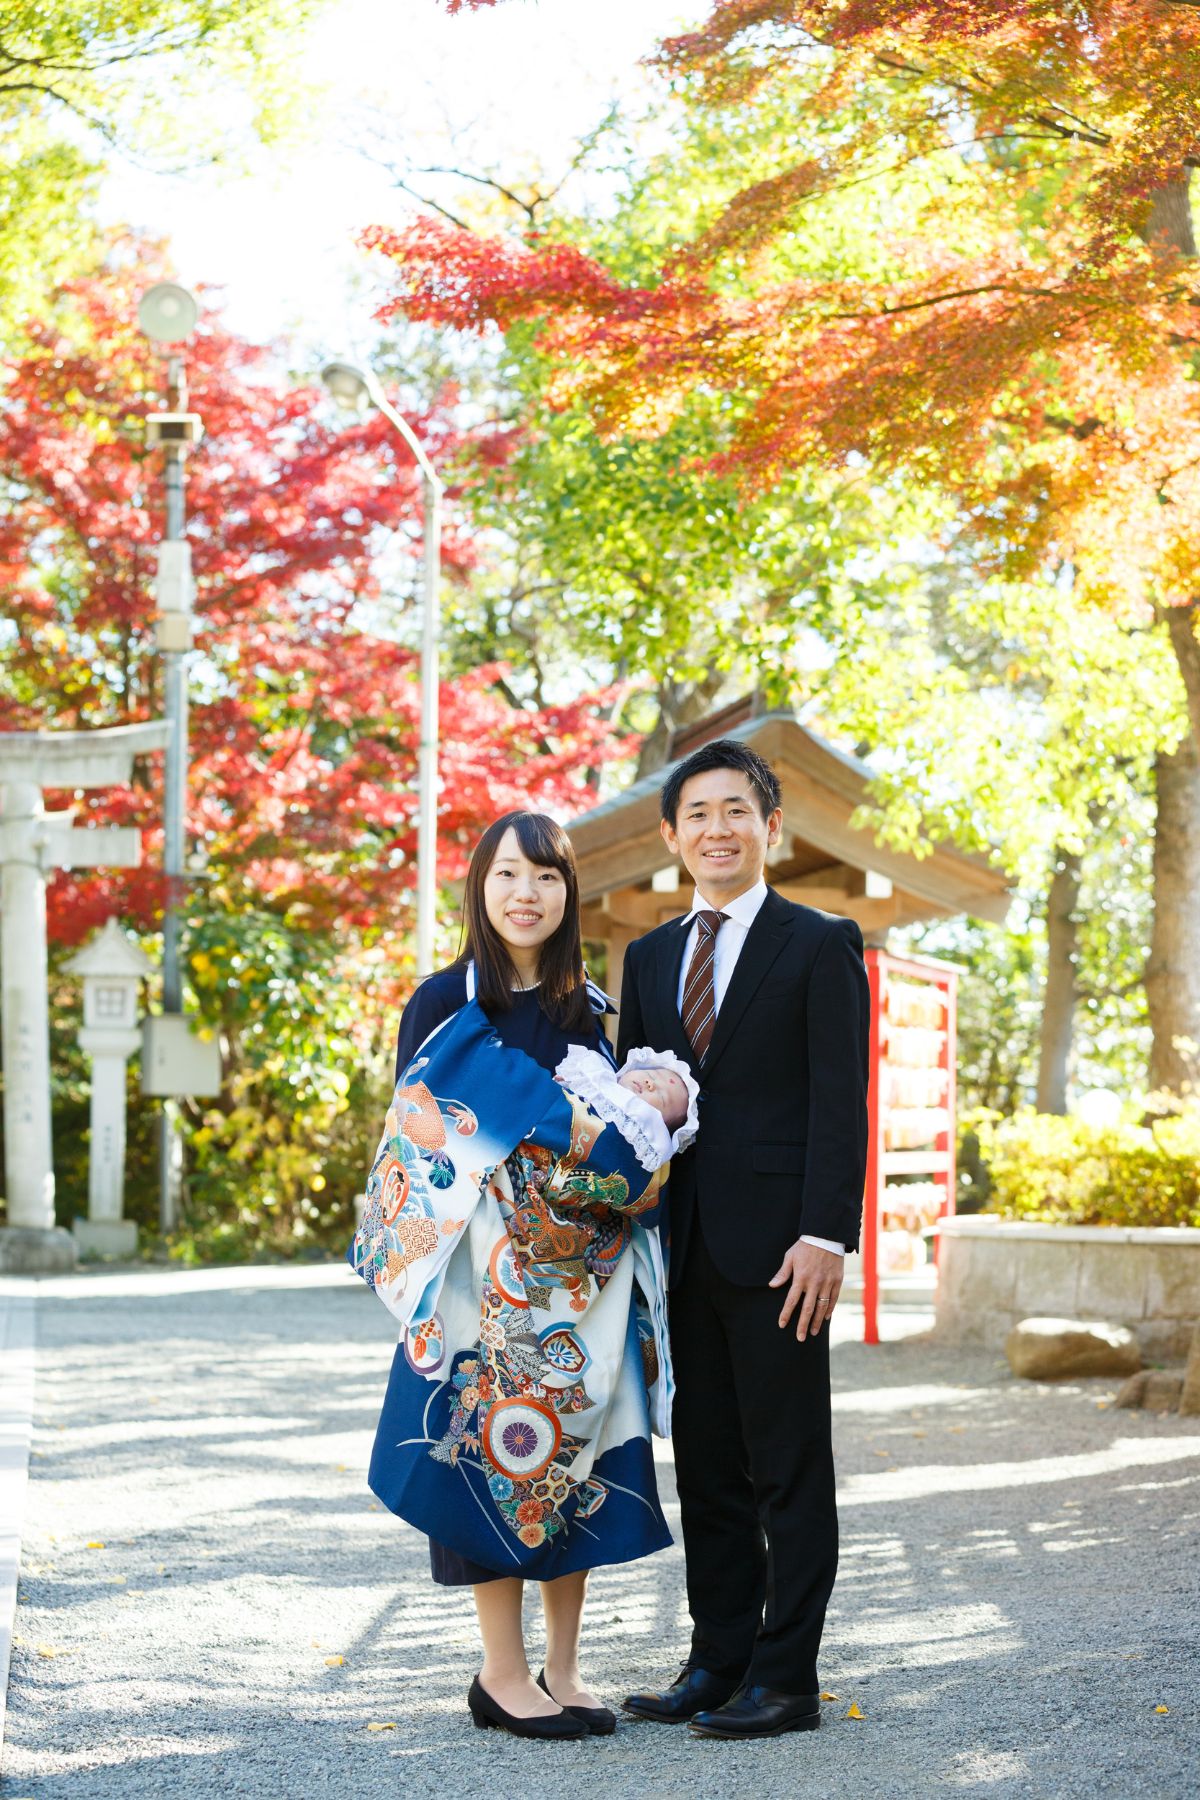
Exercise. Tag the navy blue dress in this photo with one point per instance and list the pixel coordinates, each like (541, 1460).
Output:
(523, 1027)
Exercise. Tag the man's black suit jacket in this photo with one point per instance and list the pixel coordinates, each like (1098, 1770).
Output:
(782, 1147)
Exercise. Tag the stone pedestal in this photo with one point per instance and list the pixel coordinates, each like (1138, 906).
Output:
(105, 1237)
(29, 1169)
(30, 1250)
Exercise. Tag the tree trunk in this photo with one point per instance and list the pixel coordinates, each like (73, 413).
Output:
(1055, 1061)
(1170, 219)
(1170, 226)
(678, 704)
(1173, 970)
(1181, 629)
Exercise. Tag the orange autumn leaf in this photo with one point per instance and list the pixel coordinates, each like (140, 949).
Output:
(853, 1712)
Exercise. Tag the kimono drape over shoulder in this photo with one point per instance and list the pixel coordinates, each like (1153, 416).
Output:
(504, 1226)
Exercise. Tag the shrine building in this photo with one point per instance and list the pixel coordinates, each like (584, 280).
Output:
(629, 882)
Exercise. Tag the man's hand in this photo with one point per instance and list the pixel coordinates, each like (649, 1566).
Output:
(814, 1277)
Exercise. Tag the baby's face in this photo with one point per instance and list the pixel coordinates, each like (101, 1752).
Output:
(660, 1088)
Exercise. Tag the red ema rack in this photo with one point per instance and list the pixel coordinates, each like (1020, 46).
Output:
(911, 1107)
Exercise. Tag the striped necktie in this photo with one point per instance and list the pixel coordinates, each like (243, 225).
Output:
(699, 1009)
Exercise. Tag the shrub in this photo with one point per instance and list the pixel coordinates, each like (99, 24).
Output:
(1063, 1172)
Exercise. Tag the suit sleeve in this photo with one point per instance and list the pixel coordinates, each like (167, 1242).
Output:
(630, 1030)
(838, 1025)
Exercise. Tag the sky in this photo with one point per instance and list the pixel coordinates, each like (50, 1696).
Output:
(512, 88)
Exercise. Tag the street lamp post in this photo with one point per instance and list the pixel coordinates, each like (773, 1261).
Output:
(350, 385)
(167, 315)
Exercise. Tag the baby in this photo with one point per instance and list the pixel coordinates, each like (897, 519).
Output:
(651, 1101)
(660, 1088)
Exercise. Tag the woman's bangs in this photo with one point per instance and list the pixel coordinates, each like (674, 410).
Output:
(544, 842)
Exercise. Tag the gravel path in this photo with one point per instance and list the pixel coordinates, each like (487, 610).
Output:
(1019, 1587)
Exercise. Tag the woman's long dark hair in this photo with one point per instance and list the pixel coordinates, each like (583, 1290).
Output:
(563, 996)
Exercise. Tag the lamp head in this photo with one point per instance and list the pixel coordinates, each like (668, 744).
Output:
(348, 385)
(167, 313)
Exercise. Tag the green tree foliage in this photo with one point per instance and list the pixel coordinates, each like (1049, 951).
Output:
(632, 548)
(79, 80)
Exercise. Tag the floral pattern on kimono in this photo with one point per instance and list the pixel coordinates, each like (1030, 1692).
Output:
(502, 1228)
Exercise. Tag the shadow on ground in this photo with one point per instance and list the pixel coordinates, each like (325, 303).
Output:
(1018, 1591)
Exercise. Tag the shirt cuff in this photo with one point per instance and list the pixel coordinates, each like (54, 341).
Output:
(825, 1244)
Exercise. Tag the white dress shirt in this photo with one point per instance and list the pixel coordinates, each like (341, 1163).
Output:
(740, 915)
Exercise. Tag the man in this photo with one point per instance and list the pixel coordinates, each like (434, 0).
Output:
(769, 1003)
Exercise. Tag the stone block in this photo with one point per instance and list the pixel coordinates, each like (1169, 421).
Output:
(1162, 1390)
(31, 1250)
(1112, 1281)
(1164, 1340)
(1173, 1282)
(985, 1274)
(1048, 1278)
(1132, 1392)
(1158, 1390)
(106, 1237)
(1055, 1349)
(1189, 1399)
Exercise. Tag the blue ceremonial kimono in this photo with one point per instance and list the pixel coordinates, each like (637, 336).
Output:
(503, 1227)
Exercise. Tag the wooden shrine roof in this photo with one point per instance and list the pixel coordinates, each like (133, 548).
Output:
(824, 860)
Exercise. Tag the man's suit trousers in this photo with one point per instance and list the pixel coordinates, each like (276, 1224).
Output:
(754, 1464)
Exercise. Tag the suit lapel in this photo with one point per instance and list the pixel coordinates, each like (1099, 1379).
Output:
(764, 940)
(670, 962)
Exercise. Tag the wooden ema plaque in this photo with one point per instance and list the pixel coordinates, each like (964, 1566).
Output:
(911, 1117)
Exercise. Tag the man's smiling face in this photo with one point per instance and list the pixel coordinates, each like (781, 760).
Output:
(720, 833)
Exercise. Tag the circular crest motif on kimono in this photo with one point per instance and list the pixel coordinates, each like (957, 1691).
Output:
(439, 1170)
(425, 1344)
(521, 1437)
(505, 1272)
(563, 1351)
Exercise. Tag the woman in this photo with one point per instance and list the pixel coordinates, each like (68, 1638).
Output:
(503, 1229)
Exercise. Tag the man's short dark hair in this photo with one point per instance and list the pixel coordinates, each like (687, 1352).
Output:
(723, 753)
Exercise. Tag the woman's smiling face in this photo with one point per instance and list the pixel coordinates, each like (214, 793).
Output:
(524, 901)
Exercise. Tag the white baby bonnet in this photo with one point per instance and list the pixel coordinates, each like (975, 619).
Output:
(593, 1078)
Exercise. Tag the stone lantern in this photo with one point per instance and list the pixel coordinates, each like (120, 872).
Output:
(112, 967)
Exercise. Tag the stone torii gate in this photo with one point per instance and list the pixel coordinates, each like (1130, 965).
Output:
(33, 843)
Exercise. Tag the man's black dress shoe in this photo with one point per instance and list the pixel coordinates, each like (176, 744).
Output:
(692, 1692)
(599, 1721)
(759, 1712)
(486, 1712)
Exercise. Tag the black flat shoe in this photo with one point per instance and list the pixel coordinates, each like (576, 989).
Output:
(759, 1712)
(693, 1691)
(487, 1714)
(599, 1721)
